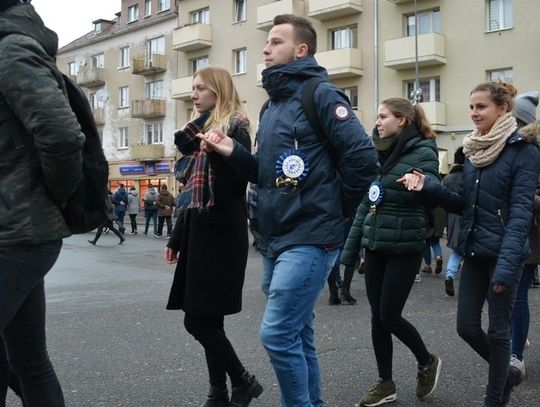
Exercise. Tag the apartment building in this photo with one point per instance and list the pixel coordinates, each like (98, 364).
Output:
(368, 47)
(125, 66)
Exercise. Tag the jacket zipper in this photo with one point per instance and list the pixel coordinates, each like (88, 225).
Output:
(499, 213)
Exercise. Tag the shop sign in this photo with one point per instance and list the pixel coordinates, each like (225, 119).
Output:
(163, 167)
(132, 169)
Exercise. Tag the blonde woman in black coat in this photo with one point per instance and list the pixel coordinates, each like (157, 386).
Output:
(213, 219)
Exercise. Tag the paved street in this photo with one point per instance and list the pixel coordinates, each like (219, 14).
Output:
(113, 343)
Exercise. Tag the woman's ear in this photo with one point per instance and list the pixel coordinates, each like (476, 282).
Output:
(402, 121)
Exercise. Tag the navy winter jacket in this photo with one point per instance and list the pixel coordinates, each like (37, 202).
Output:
(314, 212)
(496, 205)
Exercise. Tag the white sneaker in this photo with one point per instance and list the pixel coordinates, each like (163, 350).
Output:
(514, 361)
(417, 279)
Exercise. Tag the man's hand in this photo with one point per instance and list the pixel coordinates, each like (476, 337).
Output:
(170, 255)
(217, 141)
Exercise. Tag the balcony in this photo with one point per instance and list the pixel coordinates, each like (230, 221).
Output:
(267, 12)
(327, 9)
(147, 108)
(147, 152)
(99, 115)
(149, 65)
(192, 37)
(435, 113)
(401, 1)
(341, 63)
(181, 88)
(400, 53)
(90, 77)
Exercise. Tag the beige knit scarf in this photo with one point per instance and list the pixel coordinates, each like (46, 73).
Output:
(483, 149)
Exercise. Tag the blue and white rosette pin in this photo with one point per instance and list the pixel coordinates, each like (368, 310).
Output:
(291, 168)
(375, 194)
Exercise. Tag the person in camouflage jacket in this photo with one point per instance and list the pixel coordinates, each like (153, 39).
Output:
(40, 167)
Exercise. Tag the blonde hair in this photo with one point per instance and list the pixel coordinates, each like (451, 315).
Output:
(228, 103)
(414, 114)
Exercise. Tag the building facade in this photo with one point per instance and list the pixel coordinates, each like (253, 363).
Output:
(371, 48)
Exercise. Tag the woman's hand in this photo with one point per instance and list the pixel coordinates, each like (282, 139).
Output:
(413, 181)
(499, 288)
(217, 141)
(170, 255)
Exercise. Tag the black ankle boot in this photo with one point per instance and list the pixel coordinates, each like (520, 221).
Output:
(346, 297)
(217, 398)
(242, 395)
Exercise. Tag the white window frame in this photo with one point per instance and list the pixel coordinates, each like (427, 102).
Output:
(147, 8)
(163, 5)
(240, 61)
(433, 86)
(240, 10)
(72, 68)
(499, 11)
(201, 16)
(98, 60)
(503, 74)
(97, 27)
(429, 21)
(352, 94)
(155, 90)
(124, 57)
(198, 63)
(133, 13)
(123, 97)
(344, 37)
(153, 133)
(155, 46)
(123, 137)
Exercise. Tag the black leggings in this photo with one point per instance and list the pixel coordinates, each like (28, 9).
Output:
(220, 355)
(389, 279)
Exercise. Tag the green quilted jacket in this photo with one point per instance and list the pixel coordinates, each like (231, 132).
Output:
(399, 222)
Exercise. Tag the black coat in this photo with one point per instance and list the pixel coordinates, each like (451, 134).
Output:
(213, 245)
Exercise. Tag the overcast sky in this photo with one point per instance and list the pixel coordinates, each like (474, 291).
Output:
(72, 19)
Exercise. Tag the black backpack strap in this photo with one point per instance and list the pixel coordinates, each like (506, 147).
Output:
(308, 105)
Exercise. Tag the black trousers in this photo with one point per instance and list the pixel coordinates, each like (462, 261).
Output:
(389, 280)
(220, 355)
(7, 377)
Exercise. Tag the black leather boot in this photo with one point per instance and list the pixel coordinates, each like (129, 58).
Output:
(217, 398)
(242, 395)
(346, 297)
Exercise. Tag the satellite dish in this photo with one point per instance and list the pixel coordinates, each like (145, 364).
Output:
(102, 95)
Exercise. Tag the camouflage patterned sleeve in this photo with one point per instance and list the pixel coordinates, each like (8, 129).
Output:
(32, 90)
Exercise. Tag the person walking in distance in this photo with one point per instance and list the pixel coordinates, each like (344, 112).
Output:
(165, 202)
(212, 226)
(133, 208)
(120, 202)
(304, 198)
(40, 168)
(499, 183)
(390, 225)
(150, 209)
(109, 224)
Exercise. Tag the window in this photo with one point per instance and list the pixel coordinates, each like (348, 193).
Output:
(147, 8)
(345, 37)
(505, 75)
(163, 5)
(72, 68)
(155, 46)
(352, 94)
(122, 137)
(428, 22)
(97, 27)
(123, 96)
(154, 90)
(201, 16)
(98, 61)
(198, 63)
(499, 14)
(153, 133)
(431, 89)
(92, 99)
(123, 61)
(240, 61)
(240, 10)
(133, 13)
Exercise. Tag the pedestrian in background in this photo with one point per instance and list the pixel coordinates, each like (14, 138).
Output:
(213, 228)
(41, 158)
(499, 183)
(165, 202)
(150, 209)
(390, 225)
(108, 224)
(120, 202)
(133, 208)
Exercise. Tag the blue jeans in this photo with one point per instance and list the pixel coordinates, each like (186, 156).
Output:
(521, 315)
(494, 346)
(292, 283)
(150, 214)
(22, 320)
(434, 245)
(452, 268)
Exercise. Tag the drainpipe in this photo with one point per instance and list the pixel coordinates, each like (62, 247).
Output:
(376, 54)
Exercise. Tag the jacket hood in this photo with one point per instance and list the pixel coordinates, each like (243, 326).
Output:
(281, 80)
(166, 192)
(531, 132)
(23, 19)
(133, 192)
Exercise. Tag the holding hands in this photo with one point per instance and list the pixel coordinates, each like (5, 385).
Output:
(217, 141)
(413, 181)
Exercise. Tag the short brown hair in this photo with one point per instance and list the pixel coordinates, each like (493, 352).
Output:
(501, 93)
(303, 30)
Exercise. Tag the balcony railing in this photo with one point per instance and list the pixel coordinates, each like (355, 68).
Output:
(327, 9)
(435, 113)
(267, 12)
(99, 115)
(341, 63)
(400, 53)
(181, 88)
(147, 152)
(192, 37)
(149, 64)
(89, 77)
(147, 108)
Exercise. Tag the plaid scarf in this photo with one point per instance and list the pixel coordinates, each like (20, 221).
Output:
(198, 192)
